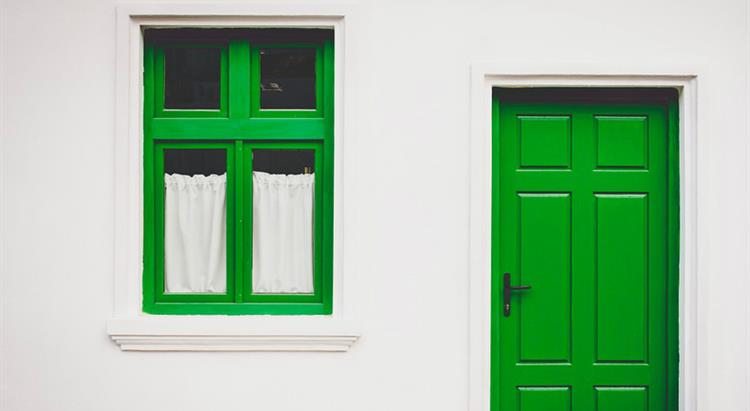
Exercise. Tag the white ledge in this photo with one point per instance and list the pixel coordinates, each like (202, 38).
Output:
(319, 343)
(206, 333)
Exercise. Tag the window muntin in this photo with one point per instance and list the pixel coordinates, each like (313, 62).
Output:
(302, 145)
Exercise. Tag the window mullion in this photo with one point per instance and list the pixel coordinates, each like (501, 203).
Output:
(247, 226)
(149, 238)
(326, 189)
(240, 218)
(239, 79)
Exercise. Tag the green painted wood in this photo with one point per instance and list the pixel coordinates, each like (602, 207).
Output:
(673, 255)
(544, 398)
(544, 141)
(149, 196)
(238, 127)
(544, 257)
(239, 83)
(326, 211)
(585, 211)
(241, 217)
(621, 141)
(621, 399)
(621, 277)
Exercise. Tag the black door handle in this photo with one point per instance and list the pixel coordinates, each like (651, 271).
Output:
(507, 289)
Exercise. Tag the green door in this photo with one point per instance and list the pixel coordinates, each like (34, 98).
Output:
(585, 213)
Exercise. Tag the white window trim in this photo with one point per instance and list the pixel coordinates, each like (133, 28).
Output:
(132, 329)
(484, 77)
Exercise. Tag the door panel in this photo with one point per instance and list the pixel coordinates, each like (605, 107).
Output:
(581, 213)
(621, 141)
(545, 141)
(621, 278)
(544, 334)
(621, 399)
(544, 398)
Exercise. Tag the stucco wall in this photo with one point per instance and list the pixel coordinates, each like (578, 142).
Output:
(412, 259)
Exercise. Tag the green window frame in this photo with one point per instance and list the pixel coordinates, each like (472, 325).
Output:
(239, 126)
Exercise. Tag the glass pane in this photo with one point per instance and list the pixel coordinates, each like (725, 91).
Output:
(283, 215)
(284, 161)
(195, 221)
(287, 78)
(192, 78)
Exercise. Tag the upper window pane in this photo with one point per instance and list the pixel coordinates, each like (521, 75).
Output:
(287, 78)
(192, 78)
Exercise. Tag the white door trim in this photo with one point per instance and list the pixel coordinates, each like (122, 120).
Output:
(484, 77)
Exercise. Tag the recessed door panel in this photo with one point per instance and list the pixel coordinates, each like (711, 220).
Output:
(621, 277)
(543, 398)
(621, 141)
(544, 141)
(545, 260)
(621, 399)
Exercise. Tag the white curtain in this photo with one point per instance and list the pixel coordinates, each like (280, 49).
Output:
(283, 233)
(195, 233)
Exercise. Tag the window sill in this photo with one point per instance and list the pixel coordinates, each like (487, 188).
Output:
(211, 333)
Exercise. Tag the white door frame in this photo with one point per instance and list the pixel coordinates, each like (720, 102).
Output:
(484, 77)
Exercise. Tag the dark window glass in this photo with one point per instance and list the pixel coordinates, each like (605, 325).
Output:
(195, 161)
(192, 78)
(284, 161)
(287, 78)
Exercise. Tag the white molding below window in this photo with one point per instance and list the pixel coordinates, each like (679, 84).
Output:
(129, 327)
(199, 333)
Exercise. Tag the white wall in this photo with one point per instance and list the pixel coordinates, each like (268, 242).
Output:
(57, 205)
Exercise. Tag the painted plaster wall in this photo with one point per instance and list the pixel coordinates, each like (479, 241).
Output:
(58, 75)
